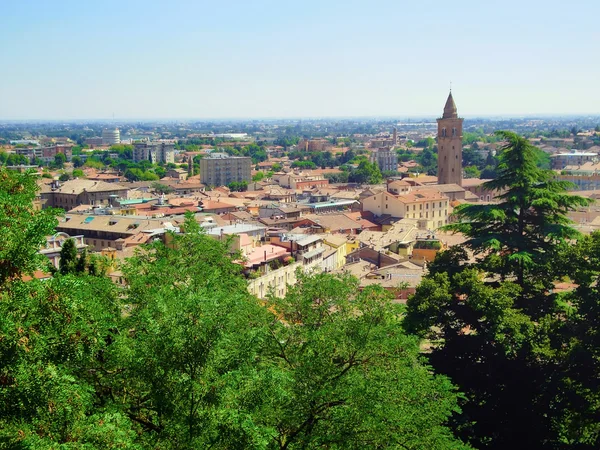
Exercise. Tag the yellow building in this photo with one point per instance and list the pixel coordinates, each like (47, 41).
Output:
(428, 206)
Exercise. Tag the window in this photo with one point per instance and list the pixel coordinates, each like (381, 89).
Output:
(453, 132)
(421, 206)
(443, 132)
(386, 206)
(427, 206)
(427, 215)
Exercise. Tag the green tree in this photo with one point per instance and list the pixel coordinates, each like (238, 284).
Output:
(519, 235)
(24, 229)
(78, 173)
(59, 160)
(498, 316)
(258, 176)
(77, 161)
(366, 172)
(68, 257)
(339, 351)
(472, 172)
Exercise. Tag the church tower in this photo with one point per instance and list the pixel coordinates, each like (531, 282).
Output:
(450, 145)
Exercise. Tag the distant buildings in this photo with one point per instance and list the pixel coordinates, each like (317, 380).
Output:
(314, 145)
(46, 154)
(450, 145)
(575, 158)
(155, 152)
(220, 169)
(386, 158)
(111, 136)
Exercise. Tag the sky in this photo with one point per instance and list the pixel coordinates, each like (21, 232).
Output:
(150, 59)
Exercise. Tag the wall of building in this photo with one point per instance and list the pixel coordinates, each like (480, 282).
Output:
(278, 280)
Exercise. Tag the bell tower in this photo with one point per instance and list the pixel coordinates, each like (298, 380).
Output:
(450, 145)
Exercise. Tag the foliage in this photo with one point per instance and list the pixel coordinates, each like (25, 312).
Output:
(238, 186)
(304, 165)
(77, 161)
(162, 188)
(24, 229)
(59, 160)
(489, 320)
(258, 176)
(366, 172)
(78, 173)
(184, 357)
(529, 223)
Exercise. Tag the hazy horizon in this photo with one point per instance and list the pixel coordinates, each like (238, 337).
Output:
(145, 60)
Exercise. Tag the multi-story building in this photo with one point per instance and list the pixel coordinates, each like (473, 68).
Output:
(94, 141)
(48, 153)
(111, 136)
(386, 158)
(450, 145)
(155, 152)
(220, 169)
(77, 192)
(428, 206)
(562, 160)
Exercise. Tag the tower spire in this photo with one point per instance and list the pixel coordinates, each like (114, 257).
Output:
(450, 111)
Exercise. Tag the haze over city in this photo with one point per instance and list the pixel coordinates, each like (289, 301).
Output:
(186, 59)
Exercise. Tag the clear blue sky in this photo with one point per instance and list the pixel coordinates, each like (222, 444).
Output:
(81, 59)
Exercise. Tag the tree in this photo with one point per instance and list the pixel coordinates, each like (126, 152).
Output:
(366, 173)
(529, 223)
(238, 186)
(78, 173)
(68, 257)
(162, 188)
(59, 160)
(472, 172)
(24, 229)
(258, 176)
(338, 351)
(498, 316)
(64, 177)
(77, 161)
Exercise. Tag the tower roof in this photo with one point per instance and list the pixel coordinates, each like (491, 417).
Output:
(450, 108)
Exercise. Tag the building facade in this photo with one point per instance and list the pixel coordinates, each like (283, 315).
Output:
(386, 158)
(155, 152)
(220, 169)
(450, 145)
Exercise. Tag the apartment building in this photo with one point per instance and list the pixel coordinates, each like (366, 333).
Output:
(155, 152)
(429, 206)
(386, 159)
(220, 169)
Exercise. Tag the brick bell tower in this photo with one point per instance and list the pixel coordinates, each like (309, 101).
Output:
(450, 145)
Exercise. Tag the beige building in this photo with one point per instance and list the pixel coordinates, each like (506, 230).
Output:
(428, 206)
(220, 169)
(450, 145)
(77, 192)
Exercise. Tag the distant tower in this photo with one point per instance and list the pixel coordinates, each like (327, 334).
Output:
(395, 136)
(450, 145)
